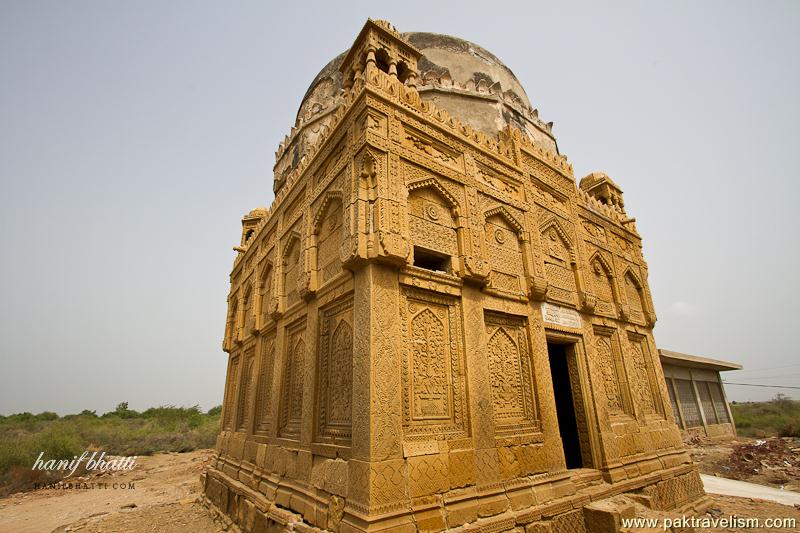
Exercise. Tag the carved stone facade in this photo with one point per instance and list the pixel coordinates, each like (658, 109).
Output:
(432, 320)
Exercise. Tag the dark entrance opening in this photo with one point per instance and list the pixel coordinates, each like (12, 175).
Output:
(565, 408)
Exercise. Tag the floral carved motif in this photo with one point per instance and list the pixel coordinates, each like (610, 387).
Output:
(429, 392)
(292, 410)
(263, 401)
(510, 376)
(608, 367)
(423, 145)
(434, 401)
(641, 378)
(495, 181)
(335, 374)
(245, 392)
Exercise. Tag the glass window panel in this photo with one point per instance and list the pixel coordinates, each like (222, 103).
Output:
(688, 403)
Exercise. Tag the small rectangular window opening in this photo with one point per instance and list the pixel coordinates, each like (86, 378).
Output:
(431, 260)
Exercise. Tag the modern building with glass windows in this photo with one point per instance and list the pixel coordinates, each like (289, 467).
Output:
(697, 395)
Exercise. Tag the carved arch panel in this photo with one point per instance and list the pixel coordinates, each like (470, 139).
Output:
(229, 402)
(505, 251)
(248, 316)
(266, 303)
(335, 374)
(245, 395)
(634, 294)
(559, 263)
(327, 238)
(264, 392)
(293, 379)
(291, 270)
(608, 359)
(433, 376)
(601, 281)
(232, 327)
(508, 351)
(644, 379)
(433, 217)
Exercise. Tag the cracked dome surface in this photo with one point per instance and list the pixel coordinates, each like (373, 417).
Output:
(456, 75)
(459, 76)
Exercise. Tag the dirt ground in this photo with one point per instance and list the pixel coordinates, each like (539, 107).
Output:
(726, 506)
(165, 498)
(774, 461)
(166, 494)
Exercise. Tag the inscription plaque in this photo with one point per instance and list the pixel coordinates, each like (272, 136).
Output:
(561, 316)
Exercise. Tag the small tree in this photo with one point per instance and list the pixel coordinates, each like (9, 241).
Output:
(122, 411)
(782, 401)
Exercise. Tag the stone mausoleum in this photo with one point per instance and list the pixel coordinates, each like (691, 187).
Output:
(434, 326)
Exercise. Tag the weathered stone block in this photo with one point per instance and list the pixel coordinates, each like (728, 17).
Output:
(492, 505)
(606, 516)
(461, 468)
(430, 520)
(428, 474)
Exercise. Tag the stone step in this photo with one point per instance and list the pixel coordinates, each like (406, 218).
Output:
(586, 477)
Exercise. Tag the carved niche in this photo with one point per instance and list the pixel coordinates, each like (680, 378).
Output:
(263, 396)
(245, 392)
(293, 378)
(230, 392)
(601, 281)
(558, 261)
(434, 390)
(291, 271)
(267, 304)
(335, 373)
(503, 250)
(248, 318)
(431, 221)
(328, 229)
(510, 374)
(635, 297)
(232, 327)
(643, 377)
(613, 375)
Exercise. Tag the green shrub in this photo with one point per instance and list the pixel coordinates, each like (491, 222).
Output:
(779, 416)
(24, 436)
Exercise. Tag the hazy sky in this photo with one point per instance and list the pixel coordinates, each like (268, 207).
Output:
(134, 136)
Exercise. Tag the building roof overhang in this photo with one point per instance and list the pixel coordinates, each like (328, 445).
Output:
(695, 361)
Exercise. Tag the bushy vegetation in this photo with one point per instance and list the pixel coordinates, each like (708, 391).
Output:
(777, 417)
(123, 431)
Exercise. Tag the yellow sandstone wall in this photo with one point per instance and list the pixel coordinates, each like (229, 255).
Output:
(366, 393)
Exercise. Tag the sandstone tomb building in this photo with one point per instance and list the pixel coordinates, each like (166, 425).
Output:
(433, 326)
